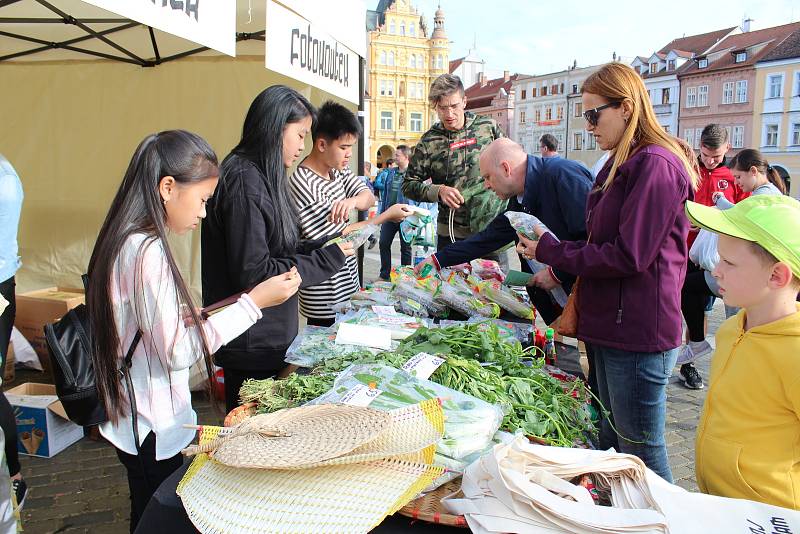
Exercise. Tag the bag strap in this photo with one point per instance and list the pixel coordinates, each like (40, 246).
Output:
(126, 374)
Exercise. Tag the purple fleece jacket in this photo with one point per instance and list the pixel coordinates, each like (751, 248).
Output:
(631, 271)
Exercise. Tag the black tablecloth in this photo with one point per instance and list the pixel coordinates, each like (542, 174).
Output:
(165, 513)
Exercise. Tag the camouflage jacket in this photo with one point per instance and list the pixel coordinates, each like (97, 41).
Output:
(451, 158)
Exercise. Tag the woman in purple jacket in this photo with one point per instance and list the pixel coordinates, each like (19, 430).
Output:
(632, 267)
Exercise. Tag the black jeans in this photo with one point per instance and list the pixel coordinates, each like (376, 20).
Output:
(233, 383)
(694, 297)
(7, 420)
(388, 231)
(145, 474)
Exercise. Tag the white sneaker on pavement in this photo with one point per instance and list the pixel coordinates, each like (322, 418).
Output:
(693, 350)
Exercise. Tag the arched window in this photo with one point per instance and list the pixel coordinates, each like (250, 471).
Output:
(412, 61)
(402, 28)
(383, 57)
(391, 59)
(413, 30)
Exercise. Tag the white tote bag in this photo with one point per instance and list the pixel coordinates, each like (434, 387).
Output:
(704, 250)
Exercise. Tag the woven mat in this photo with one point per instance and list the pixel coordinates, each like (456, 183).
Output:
(333, 499)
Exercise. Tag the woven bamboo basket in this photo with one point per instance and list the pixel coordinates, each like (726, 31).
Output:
(429, 507)
(239, 414)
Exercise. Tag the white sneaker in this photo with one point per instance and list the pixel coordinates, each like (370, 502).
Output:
(694, 350)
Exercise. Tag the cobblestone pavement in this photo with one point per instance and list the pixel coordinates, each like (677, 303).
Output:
(84, 489)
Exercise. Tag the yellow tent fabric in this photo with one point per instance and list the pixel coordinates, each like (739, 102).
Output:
(70, 128)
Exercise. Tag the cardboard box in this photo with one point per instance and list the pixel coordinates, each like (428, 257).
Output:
(38, 308)
(43, 428)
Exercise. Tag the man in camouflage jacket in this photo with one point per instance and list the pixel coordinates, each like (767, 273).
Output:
(448, 155)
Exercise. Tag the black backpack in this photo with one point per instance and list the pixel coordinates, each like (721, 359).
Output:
(69, 342)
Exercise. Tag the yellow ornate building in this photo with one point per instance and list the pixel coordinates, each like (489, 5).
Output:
(402, 61)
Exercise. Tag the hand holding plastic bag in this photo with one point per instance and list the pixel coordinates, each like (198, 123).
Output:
(525, 223)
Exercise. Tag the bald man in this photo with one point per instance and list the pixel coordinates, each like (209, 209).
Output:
(552, 189)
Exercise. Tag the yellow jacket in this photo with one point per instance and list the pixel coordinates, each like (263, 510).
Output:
(748, 440)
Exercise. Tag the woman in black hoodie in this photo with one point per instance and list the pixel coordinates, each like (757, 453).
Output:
(251, 233)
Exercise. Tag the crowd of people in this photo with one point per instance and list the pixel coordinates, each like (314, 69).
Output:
(620, 241)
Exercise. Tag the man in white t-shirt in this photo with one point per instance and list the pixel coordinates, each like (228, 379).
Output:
(325, 192)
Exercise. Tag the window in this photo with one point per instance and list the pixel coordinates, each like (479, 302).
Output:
(412, 90)
(538, 115)
(591, 142)
(413, 30)
(796, 84)
(560, 139)
(391, 59)
(577, 141)
(688, 136)
(574, 88)
(416, 122)
(665, 95)
(702, 63)
(702, 96)
(666, 128)
(737, 138)
(412, 61)
(382, 87)
(402, 28)
(533, 92)
(795, 139)
(775, 86)
(560, 112)
(671, 64)
(544, 90)
(653, 68)
(420, 90)
(524, 94)
(389, 88)
(740, 57)
(577, 109)
(691, 97)
(727, 93)
(554, 89)
(698, 132)
(561, 88)
(439, 62)
(386, 120)
(741, 91)
(771, 135)
(729, 130)
(522, 117)
(383, 57)
(392, 28)
(548, 113)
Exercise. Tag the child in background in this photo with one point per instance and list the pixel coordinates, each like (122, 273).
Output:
(748, 439)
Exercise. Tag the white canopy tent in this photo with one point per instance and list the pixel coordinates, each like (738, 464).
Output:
(82, 86)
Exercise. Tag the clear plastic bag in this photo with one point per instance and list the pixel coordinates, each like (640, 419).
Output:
(487, 270)
(409, 290)
(506, 299)
(704, 250)
(420, 227)
(524, 223)
(456, 293)
(356, 237)
(470, 423)
(317, 343)
(399, 324)
(558, 293)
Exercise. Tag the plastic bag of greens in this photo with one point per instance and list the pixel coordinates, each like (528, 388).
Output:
(411, 291)
(317, 343)
(356, 237)
(469, 425)
(464, 301)
(524, 223)
(400, 325)
(506, 299)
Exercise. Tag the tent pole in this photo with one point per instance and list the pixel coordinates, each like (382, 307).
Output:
(360, 158)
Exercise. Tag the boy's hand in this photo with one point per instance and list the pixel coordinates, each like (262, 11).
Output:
(347, 249)
(340, 211)
(397, 212)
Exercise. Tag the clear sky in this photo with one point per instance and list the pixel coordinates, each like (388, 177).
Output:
(537, 37)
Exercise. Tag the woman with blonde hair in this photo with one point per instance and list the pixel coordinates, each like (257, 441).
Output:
(632, 266)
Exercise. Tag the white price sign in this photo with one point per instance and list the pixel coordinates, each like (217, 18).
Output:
(360, 395)
(423, 365)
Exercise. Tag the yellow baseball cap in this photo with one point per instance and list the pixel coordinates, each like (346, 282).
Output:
(772, 221)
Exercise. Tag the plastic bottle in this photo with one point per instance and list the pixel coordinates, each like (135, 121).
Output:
(550, 356)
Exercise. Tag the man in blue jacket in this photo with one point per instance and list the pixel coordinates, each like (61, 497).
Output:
(552, 189)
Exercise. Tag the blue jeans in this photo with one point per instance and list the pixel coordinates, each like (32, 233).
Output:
(388, 231)
(633, 387)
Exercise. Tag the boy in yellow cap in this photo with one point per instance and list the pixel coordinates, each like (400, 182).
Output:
(748, 440)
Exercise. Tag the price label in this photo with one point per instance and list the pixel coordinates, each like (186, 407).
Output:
(384, 310)
(422, 365)
(360, 395)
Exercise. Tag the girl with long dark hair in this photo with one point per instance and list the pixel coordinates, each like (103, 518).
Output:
(252, 233)
(135, 286)
(753, 174)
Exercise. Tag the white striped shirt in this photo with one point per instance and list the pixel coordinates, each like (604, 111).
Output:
(313, 196)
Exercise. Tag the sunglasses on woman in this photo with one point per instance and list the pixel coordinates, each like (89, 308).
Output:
(593, 115)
